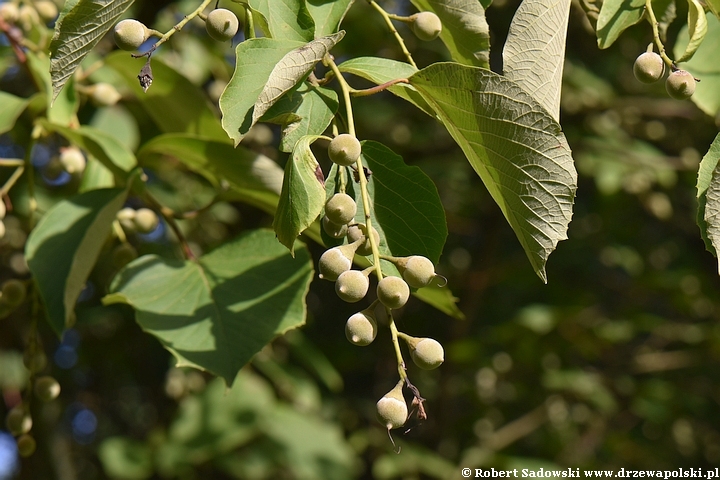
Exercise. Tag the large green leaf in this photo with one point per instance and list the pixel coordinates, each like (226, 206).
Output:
(80, 26)
(381, 70)
(255, 60)
(12, 107)
(292, 69)
(616, 16)
(515, 146)
(254, 178)
(697, 28)
(173, 102)
(706, 177)
(286, 19)
(465, 30)
(217, 312)
(305, 111)
(62, 249)
(303, 194)
(534, 52)
(327, 14)
(705, 66)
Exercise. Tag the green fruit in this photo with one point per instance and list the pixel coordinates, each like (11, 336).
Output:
(344, 150)
(361, 328)
(427, 353)
(336, 260)
(18, 421)
(47, 388)
(680, 85)
(392, 410)
(13, 293)
(26, 445)
(126, 217)
(341, 208)
(47, 10)
(104, 94)
(333, 229)
(357, 232)
(352, 286)
(649, 67)
(28, 17)
(72, 160)
(145, 220)
(426, 26)
(221, 24)
(393, 292)
(418, 271)
(9, 12)
(130, 34)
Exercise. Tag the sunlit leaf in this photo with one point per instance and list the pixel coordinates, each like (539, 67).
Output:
(327, 15)
(286, 19)
(12, 107)
(616, 16)
(697, 28)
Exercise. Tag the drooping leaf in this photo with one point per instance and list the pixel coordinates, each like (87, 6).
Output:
(534, 51)
(12, 108)
(306, 111)
(63, 109)
(381, 70)
(465, 30)
(255, 60)
(697, 28)
(704, 65)
(712, 211)
(173, 102)
(303, 194)
(62, 249)
(706, 176)
(78, 29)
(217, 312)
(291, 70)
(286, 19)
(327, 15)
(515, 146)
(615, 17)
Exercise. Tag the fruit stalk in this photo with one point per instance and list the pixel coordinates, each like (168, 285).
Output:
(656, 35)
(179, 26)
(392, 28)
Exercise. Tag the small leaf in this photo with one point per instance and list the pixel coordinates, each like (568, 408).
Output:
(465, 30)
(286, 19)
(62, 249)
(327, 15)
(534, 52)
(515, 146)
(292, 69)
(706, 176)
(80, 26)
(616, 16)
(12, 108)
(697, 28)
(303, 194)
(216, 313)
(712, 211)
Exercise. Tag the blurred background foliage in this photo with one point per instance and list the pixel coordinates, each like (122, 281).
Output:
(613, 364)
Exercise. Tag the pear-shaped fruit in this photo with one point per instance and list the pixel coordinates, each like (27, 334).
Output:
(341, 208)
(680, 85)
(129, 34)
(222, 24)
(344, 150)
(337, 260)
(18, 421)
(72, 160)
(426, 353)
(357, 232)
(426, 26)
(649, 67)
(393, 292)
(47, 388)
(392, 410)
(361, 328)
(333, 229)
(352, 286)
(145, 220)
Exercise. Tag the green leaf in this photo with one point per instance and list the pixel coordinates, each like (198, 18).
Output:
(125, 458)
(712, 211)
(12, 108)
(697, 28)
(465, 31)
(714, 6)
(63, 108)
(327, 15)
(62, 249)
(95, 176)
(706, 177)
(306, 111)
(80, 26)
(616, 16)
(515, 146)
(534, 52)
(103, 146)
(255, 178)
(255, 60)
(382, 70)
(286, 19)
(217, 312)
(705, 66)
(173, 102)
(303, 194)
(292, 69)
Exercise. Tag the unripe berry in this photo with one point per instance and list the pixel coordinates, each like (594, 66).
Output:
(126, 217)
(649, 67)
(427, 353)
(221, 24)
(341, 208)
(352, 286)
(47, 388)
(13, 293)
(130, 34)
(344, 150)
(680, 85)
(336, 260)
(361, 328)
(72, 160)
(418, 271)
(104, 94)
(357, 232)
(426, 26)
(333, 229)
(392, 410)
(393, 292)
(18, 421)
(145, 220)
(26, 445)
(9, 12)
(47, 10)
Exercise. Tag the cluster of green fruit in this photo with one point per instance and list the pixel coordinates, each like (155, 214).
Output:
(142, 220)
(649, 67)
(19, 422)
(29, 13)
